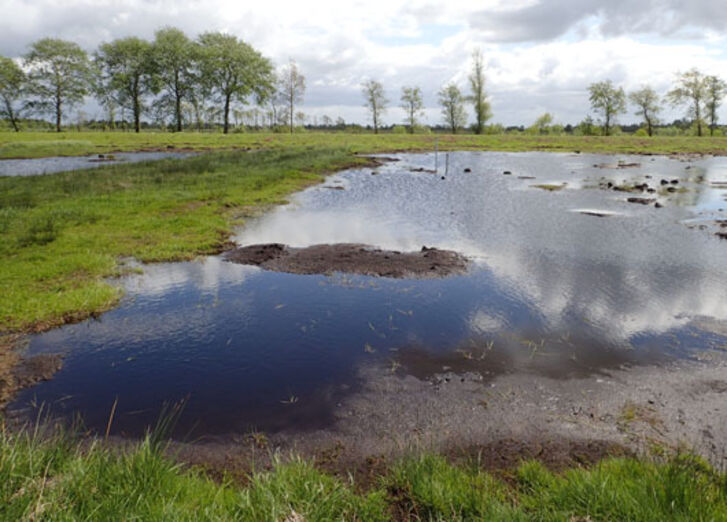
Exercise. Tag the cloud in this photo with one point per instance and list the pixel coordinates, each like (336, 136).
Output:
(544, 20)
(540, 55)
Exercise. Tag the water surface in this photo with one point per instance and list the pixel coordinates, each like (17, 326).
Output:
(52, 165)
(552, 291)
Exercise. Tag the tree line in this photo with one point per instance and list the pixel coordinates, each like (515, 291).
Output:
(450, 97)
(174, 78)
(160, 78)
(701, 94)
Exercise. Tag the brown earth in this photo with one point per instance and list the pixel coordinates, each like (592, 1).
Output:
(351, 258)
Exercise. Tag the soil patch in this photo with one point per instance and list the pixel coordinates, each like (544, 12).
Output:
(17, 373)
(351, 258)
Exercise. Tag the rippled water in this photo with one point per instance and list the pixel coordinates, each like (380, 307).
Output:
(552, 291)
(39, 166)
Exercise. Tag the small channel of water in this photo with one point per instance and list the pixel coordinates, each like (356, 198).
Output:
(40, 166)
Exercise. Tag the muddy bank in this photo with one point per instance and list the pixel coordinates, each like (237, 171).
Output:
(351, 258)
(18, 372)
(560, 422)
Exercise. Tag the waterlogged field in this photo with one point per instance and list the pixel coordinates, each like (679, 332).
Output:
(591, 322)
(564, 283)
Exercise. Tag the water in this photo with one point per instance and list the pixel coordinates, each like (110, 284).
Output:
(40, 166)
(552, 291)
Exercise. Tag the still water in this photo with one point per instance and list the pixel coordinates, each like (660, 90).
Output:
(53, 165)
(552, 291)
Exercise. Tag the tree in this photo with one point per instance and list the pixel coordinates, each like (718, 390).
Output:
(542, 124)
(232, 70)
(291, 87)
(452, 102)
(59, 76)
(125, 74)
(691, 89)
(12, 85)
(478, 97)
(608, 100)
(716, 91)
(173, 61)
(647, 103)
(412, 103)
(375, 101)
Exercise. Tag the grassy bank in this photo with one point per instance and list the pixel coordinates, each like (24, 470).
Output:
(62, 234)
(57, 479)
(41, 144)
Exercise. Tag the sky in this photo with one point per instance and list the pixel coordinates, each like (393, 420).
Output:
(540, 55)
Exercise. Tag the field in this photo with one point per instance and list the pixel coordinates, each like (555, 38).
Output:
(42, 144)
(62, 235)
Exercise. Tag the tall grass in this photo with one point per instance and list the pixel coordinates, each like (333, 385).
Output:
(59, 477)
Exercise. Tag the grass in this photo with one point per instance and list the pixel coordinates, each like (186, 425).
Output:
(58, 478)
(62, 234)
(41, 144)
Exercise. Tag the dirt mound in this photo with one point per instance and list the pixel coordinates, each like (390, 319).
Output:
(351, 258)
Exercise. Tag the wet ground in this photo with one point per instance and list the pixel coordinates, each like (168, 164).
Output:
(570, 286)
(39, 166)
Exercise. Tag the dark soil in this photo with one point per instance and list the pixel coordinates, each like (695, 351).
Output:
(351, 258)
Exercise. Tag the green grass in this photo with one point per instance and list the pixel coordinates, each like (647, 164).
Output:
(40, 144)
(62, 234)
(57, 478)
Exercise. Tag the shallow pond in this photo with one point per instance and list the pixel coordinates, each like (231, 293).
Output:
(40, 166)
(552, 290)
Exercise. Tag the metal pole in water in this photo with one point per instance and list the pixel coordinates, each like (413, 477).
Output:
(446, 164)
(436, 154)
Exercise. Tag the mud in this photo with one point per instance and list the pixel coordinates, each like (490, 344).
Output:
(351, 258)
(18, 373)
(497, 424)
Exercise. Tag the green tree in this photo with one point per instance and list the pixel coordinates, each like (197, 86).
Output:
(542, 124)
(125, 74)
(716, 91)
(232, 70)
(291, 88)
(648, 107)
(173, 57)
(12, 86)
(691, 90)
(59, 76)
(609, 101)
(375, 101)
(412, 103)
(452, 102)
(478, 97)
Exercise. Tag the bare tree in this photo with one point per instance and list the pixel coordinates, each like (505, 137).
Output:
(647, 103)
(291, 87)
(452, 102)
(412, 103)
(478, 97)
(609, 101)
(376, 101)
(691, 89)
(716, 91)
